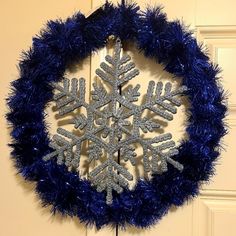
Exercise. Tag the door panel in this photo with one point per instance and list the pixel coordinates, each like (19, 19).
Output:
(214, 210)
(221, 41)
(215, 12)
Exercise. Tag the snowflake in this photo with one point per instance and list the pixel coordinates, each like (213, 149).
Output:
(107, 126)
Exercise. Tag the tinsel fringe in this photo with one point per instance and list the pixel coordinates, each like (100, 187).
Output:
(169, 43)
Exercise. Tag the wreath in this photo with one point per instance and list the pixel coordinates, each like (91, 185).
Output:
(168, 43)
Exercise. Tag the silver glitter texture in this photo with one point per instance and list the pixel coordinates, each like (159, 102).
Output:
(112, 124)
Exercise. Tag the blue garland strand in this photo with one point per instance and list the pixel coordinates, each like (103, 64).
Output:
(168, 43)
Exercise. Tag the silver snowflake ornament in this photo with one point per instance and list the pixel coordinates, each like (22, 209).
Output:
(113, 123)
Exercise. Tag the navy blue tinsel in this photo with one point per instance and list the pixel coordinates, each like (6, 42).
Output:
(169, 43)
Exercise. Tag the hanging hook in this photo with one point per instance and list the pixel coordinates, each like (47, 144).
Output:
(122, 2)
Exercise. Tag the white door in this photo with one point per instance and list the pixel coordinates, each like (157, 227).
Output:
(213, 213)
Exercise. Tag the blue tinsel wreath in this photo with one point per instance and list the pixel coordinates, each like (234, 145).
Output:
(168, 43)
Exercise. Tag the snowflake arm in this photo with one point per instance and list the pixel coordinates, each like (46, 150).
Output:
(68, 99)
(165, 102)
(148, 125)
(128, 153)
(132, 94)
(94, 152)
(160, 154)
(120, 71)
(79, 121)
(99, 93)
(105, 178)
(64, 149)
